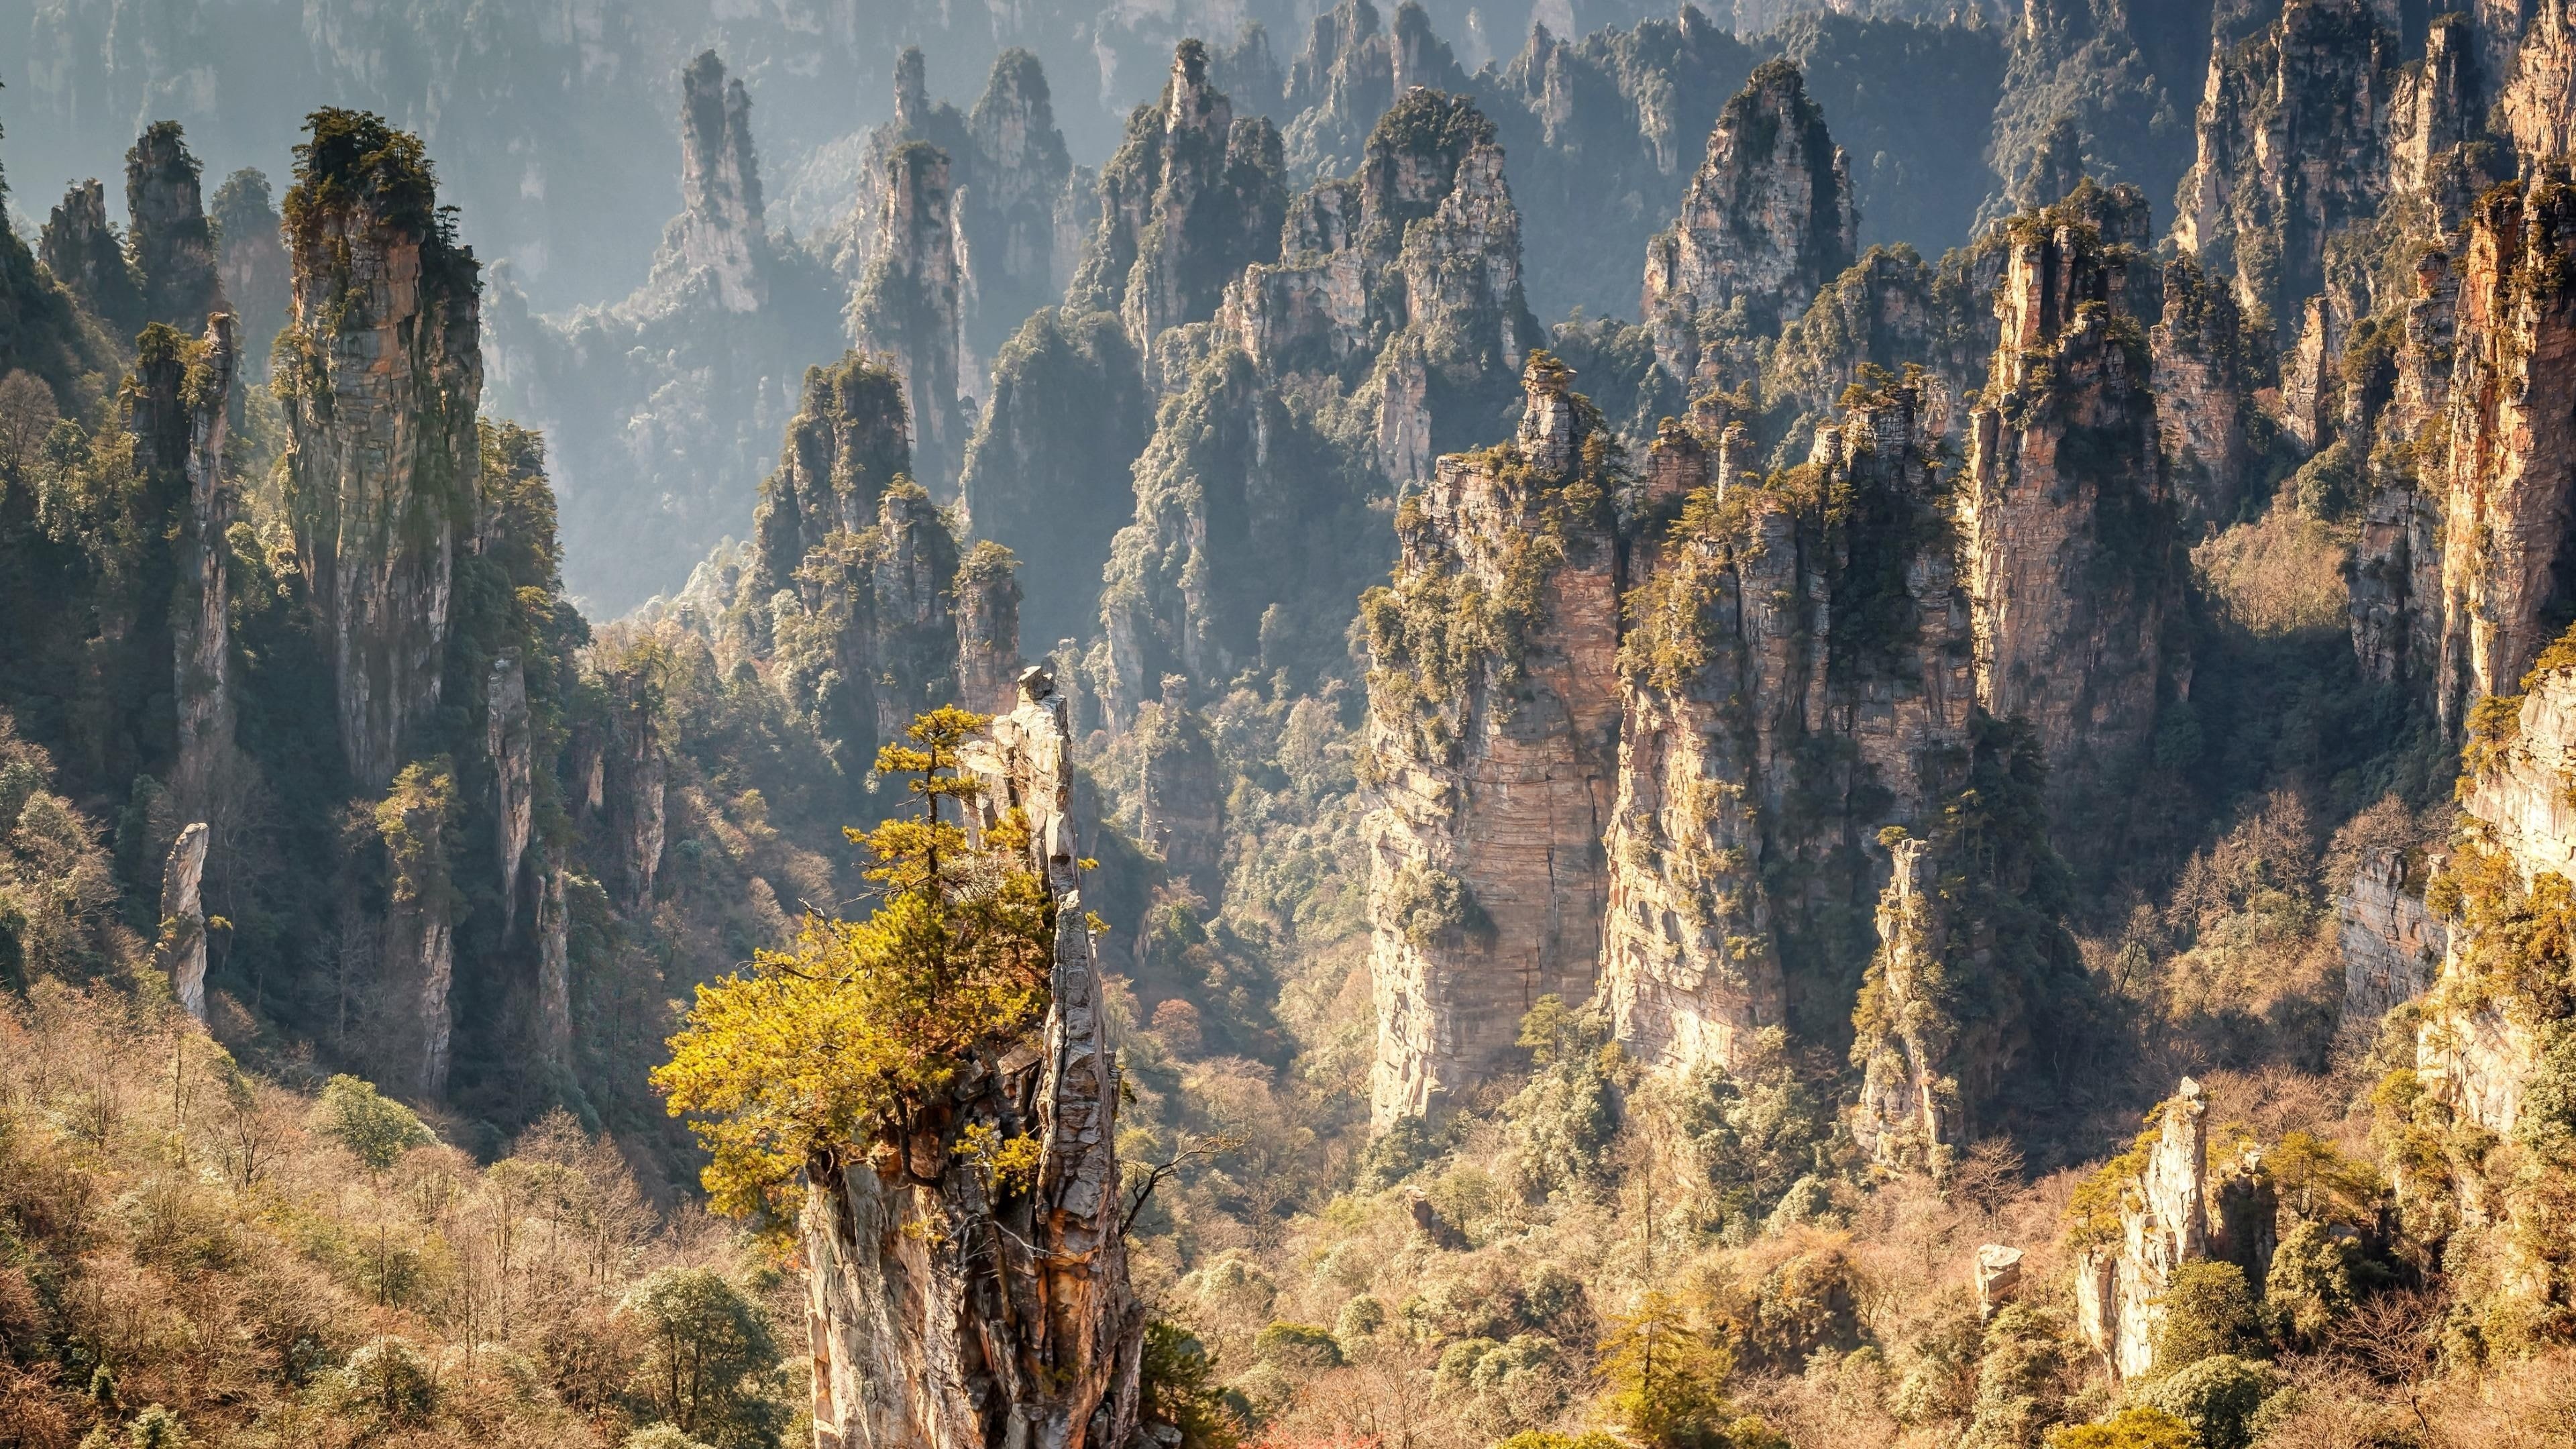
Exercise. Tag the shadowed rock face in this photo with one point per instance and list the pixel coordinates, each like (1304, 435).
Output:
(381, 458)
(175, 256)
(1768, 220)
(252, 261)
(944, 1311)
(84, 253)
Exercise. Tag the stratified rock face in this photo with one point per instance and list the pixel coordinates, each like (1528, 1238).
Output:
(1190, 198)
(2511, 443)
(2066, 524)
(946, 1311)
(508, 745)
(381, 372)
(720, 231)
(1495, 765)
(174, 247)
(2391, 943)
(907, 309)
(1768, 219)
(251, 260)
(1182, 819)
(1825, 606)
(2204, 400)
(2293, 147)
(2164, 1223)
(85, 254)
(1352, 70)
(182, 946)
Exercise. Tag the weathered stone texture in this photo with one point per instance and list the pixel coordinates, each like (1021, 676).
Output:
(942, 1313)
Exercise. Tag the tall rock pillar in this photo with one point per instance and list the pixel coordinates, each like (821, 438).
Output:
(382, 371)
(947, 1310)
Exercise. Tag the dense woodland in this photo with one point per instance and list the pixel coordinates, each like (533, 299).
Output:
(1817, 726)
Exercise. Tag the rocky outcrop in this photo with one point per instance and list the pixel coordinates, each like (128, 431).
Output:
(178, 409)
(1011, 183)
(2390, 941)
(251, 263)
(2066, 523)
(907, 308)
(1494, 768)
(1252, 531)
(175, 260)
(383, 369)
(83, 251)
(988, 627)
(2293, 147)
(1767, 618)
(634, 783)
(1191, 197)
(859, 590)
(1403, 281)
(554, 968)
(2163, 1224)
(1768, 220)
(2510, 454)
(1180, 818)
(2205, 414)
(182, 945)
(720, 239)
(419, 932)
(1352, 70)
(948, 1307)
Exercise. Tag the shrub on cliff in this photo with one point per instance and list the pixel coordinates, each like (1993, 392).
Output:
(849, 1033)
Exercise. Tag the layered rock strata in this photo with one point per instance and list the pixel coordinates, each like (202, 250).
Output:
(2065, 518)
(949, 1307)
(1496, 768)
(1823, 606)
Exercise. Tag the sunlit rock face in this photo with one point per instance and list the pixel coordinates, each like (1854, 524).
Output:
(925, 1333)
(1767, 222)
